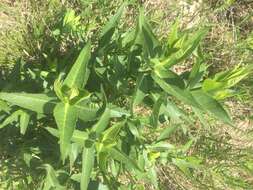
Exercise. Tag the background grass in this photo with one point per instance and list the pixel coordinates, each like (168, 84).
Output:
(35, 32)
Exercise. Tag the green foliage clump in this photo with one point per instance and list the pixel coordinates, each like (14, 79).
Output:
(84, 121)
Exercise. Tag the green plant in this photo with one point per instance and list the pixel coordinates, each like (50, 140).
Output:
(92, 107)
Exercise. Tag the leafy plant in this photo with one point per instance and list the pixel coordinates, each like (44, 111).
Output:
(92, 107)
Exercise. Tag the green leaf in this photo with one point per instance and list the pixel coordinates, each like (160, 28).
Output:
(87, 111)
(109, 28)
(156, 111)
(78, 73)
(40, 103)
(176, 114)
(66, 117)
(233, 76)
(109, 137)
(118, 111)
(133, 126)
(183, 95)
(166, 133)
(219, 86)
(161, 146)
(44, 104)
(185, 49)
(10, 119)
(186, 147)
(153, 177)
(169, 76)
(212, 106)
(186, 164)
(145, 36)
(111, 134)
(16, 116)
(4, 107)
(196, 74)
(128, 38)
(78, 136)
(173, 36)
(72, 95)
(211, 86)
(58, 89)
(122, 157)
(103, 122)
(53, 131)
(73, 153)
(24, 121)
(51, 180)
(27, 157)
(87, 166)
(141, 90)
(76, 177)
(102, 161)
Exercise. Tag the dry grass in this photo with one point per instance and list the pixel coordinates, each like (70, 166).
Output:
(12, 26)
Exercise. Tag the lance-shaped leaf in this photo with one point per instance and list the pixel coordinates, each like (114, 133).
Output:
(73, 153)
(20, 115)
(186, 49)
(102, 159)
(134, 126)
(141, 90)
(145, 37)
(122, 157)
(44, 104)
(78, 74)
(219, 86)
(66, 118)
(40, 103)
(197, 73)
(24, 121)
(154, 119)
(212, 106)
(103, 122)
(51, 180)
(10, 119)
(109, 28)
(87, 166)
(111, 134)
(110, 137)
(183, 95)
(173, 36)
(170, 76)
